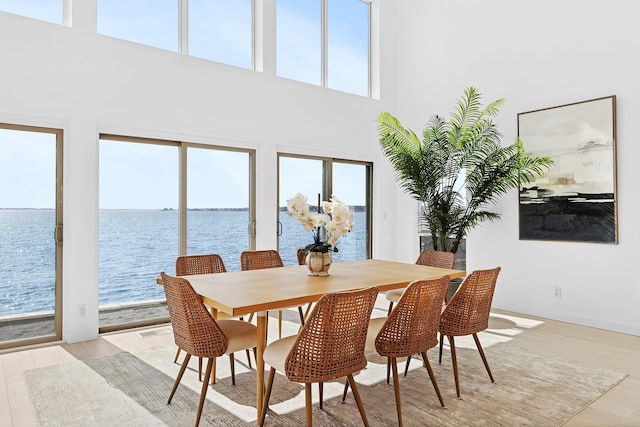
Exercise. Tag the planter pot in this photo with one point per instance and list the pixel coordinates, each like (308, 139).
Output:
(318, 263)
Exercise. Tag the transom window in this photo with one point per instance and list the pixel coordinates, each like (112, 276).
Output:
(324, 42)
(218, 30)
(44, 10)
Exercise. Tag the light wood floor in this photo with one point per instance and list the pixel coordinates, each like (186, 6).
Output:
(619, 407)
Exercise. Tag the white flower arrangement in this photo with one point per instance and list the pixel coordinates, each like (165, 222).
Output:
(332, 221)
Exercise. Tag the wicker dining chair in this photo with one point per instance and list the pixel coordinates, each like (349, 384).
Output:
(257, 260)
(206, 264)
(468, 313)
(430, 258)
(199, 334)
(427, 257)
(412, 328)
(329, 346)
(302, 256)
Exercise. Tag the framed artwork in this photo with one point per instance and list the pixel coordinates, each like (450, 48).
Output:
(576, 199)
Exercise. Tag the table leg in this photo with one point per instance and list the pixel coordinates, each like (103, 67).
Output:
(212, 379)
(262, 343)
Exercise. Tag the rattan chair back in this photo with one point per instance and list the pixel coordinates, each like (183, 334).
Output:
(412, 327)
(331, 342)
(257, 260)
(302, 256)
(438, 259)
(468, 311)
(199, 264)
(194, 330)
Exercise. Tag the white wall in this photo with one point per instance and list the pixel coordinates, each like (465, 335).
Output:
(536, 54)
(72, 78)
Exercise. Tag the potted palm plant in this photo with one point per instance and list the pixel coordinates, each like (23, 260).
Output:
(458, 168)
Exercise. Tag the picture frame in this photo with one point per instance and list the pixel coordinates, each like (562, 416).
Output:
(576, 199)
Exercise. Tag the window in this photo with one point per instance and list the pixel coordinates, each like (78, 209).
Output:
(30, 235)
(324, 42)
(348, 46)
(160, 199)
(222, 31)
(298, 40)
(44, 10)
(150, 22)
(349, 181)
(218, 30)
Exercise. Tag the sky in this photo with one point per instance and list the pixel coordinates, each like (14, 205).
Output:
(128, 171)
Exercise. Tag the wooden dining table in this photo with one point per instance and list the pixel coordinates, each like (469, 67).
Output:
(258, 291)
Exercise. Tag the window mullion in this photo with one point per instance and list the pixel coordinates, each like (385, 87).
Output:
(324, 24)
(183, 26)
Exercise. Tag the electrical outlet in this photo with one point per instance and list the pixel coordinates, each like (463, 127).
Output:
(82, 310)
(557, 292)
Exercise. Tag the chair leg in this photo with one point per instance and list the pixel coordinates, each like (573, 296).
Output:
(308, 310)
(320, 393)
(183, 368)
(346, 389)
(484, 359)
(232, 365)
(406, 367)
(440, 349)
(267, 394)
(175, 359)
(388, 369)
(390, 308)
(301, 314)
(356, 395)
(248, 357)
(396, 388)
(307, 405)
(454, 361)
(199, 368)
(279, 324)
(212, 377)
(203, 392)
(433, 378)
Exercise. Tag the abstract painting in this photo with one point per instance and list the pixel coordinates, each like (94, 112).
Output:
(576, 198)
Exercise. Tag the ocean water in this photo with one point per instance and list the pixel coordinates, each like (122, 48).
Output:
(134, 247)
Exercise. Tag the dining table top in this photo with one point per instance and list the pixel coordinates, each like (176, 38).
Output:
(243, 292)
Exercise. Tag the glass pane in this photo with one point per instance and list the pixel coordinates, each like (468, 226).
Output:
(27, 245)
(296, 176)
(222, 31)
(150, 22)
(218, 204)
(138, 236)
(348, 46)
(45, 10)
(298, 40)
(350, 186)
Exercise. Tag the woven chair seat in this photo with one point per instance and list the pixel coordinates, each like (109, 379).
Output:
(394, 294)
(276, 353)
(240, 335)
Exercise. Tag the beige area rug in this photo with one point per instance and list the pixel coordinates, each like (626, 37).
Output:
(531, 389)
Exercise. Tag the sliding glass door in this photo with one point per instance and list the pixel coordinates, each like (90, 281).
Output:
(30, 235)
(349, 181)
(158, 200)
